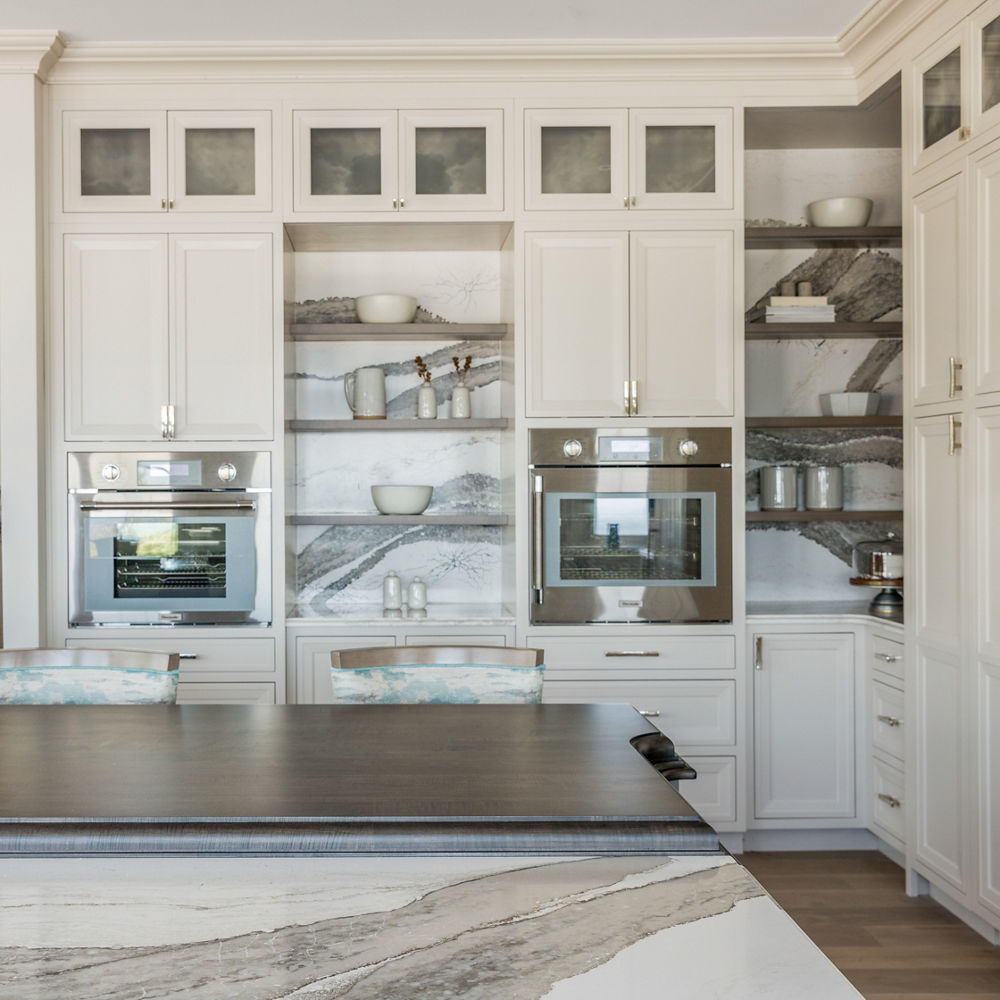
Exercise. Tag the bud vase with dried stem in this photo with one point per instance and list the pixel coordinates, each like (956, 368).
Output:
(427, 402)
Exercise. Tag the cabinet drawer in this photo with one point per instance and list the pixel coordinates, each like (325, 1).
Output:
(199, 655)
(713, 792)
(690, 712)
(422, 639)
(192, 693)
(887, 719)
(887, 812)
(626, 655)
(887, 656)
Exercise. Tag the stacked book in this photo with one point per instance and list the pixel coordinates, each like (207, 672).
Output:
(792, 309)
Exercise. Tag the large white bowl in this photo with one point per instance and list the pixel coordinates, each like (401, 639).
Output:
(849, 404)
(839, 211)
(386, 307)
(402, 499)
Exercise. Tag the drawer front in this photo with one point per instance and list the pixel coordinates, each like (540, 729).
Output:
(193, 693)
(887, 720)
(888, 808)
(200, 655)
(451, 639)
(312, 663)
(713, 792)
(690, 712)
(887, 656)
(634, 655)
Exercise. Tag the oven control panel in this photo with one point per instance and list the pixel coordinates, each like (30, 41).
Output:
(169, 471)
(594, 446)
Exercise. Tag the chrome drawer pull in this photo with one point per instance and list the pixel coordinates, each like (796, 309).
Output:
(631, 652)
(649, 713)
(887, 658)
(889, 800)
(889, 720)
(187, 656)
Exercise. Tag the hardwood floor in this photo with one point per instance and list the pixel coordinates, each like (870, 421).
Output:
(890, 946)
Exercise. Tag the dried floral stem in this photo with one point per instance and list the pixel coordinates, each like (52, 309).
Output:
(462, 370)
(422, 370)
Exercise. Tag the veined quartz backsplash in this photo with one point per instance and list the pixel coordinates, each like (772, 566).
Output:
(802, 561)
(345, 564)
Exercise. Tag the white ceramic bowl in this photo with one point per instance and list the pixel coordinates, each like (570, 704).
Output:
(386, 307)
(849, 404)
(402, 499)
(839, 211)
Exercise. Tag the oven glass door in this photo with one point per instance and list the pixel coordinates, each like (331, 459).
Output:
(137, 562)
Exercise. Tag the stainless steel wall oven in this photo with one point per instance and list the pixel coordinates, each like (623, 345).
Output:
(169, 538)
(631, 525)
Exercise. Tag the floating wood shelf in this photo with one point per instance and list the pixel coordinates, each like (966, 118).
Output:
(775, 422)
(824, 515)
(822, 237)
(478, 520)
(397, 331)
(405, 424)
(825, 331)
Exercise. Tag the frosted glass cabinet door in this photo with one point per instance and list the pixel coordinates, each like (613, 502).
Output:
(941, 91)
(345, 161)
(681, 158)
(114, 161)
(986, 67)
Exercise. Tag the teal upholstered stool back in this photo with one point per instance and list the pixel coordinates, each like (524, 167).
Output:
(412, 675)
(87, 677)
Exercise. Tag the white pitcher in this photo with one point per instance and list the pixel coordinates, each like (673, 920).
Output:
(365, 392)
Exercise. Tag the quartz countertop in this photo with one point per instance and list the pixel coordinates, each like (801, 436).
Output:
(372, 614)
(825, 609)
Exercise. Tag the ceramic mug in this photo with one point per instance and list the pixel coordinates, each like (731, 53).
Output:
(365, 392)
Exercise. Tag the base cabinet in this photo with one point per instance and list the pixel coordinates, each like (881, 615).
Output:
(887, 735)
(189, 693)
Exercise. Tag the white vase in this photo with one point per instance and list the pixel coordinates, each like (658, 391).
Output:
(461, 404)
(427, 402)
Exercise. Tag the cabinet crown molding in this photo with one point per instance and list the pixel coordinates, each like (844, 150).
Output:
(34, 52)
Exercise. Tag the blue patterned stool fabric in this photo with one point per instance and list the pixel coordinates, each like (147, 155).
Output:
(452, 683)
(71, 685)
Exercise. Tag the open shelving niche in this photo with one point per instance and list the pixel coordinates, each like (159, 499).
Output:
(406, 238)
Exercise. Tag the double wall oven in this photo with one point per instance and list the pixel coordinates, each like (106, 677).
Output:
(169, 538)
(631, 525)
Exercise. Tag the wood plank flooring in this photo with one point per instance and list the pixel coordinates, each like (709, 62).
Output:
(891, 947)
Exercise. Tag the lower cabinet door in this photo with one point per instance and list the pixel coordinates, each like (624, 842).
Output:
(804, 735)
(193, 693)
(713, 792)
(312, 663)
(888, 818)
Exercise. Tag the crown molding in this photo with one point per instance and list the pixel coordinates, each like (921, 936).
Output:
(34, 52)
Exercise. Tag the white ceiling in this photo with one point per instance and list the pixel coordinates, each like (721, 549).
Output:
(444, 20)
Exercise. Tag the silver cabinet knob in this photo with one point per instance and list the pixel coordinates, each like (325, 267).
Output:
(572, 448)
(110, 472)
(227, 472)
(688, 448)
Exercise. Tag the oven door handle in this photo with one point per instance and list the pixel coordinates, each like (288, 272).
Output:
(537, 545)
(126, 508)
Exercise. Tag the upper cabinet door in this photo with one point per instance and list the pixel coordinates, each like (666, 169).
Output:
(938, 292)
(220, 161)
(985, 211)
(941, 92)
(986, 67)
(114, 161)
(451, 161)
(681, 158)
(345, 161)
(576, 159)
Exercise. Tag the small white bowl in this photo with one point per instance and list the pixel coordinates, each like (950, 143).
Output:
(402, 499)
(386, 307)
(849, 404)
(840, 211)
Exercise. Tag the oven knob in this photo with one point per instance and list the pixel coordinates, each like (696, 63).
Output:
(688, 448)
(110, 472)
(572, 448)
(227, 472)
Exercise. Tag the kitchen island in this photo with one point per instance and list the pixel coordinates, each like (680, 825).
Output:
(369, 851)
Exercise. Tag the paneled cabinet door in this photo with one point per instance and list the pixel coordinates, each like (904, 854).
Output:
(985, 172)
(937, 313)
(682, 323)
(576, 300)
(223, 357)
(116, 336)
(804, 735)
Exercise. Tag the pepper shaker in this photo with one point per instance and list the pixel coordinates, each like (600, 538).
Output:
(392, 591)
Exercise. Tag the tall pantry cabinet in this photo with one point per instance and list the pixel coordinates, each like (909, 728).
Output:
(953, 463)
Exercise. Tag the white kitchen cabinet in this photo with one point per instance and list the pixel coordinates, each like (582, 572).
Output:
(886, 743)
(636, 324)
(159, 161)
(189, 693)
(638, 158)
(441, 160)
(985, 216)
(168, 337)
(804, 727)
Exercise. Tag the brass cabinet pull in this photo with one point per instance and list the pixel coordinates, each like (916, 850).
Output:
(964, 132)
(758, 653)
(889, 800)
(889, 720)
(626, 201)
(627, 399)
(954, 426)
(954, 386)
(635, 398)
(631, 652)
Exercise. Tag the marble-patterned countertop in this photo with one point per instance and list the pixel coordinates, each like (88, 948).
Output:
(819, 609)
(433, 614)
(394, 928)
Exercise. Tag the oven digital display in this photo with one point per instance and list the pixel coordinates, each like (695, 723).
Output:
(168, 473)
(630, 449)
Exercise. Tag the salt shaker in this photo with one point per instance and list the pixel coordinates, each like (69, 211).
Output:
(416, 594)
(392, 591)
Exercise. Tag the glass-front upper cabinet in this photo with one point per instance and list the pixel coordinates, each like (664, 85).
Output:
(615, 158)
(356, 161)
(986, 78)
(157, 161)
